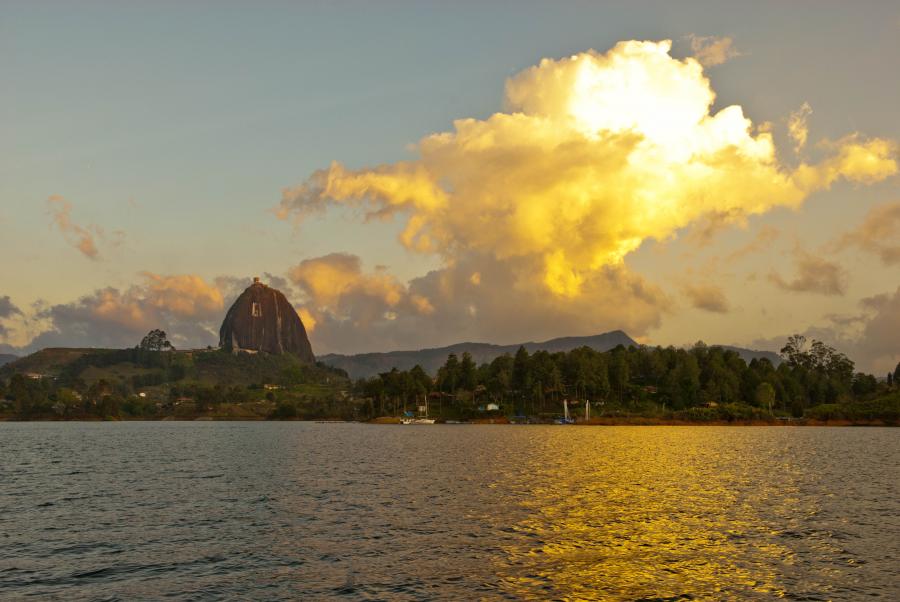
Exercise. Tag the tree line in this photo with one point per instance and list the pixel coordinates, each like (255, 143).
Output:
(701, 383)
(690, 383)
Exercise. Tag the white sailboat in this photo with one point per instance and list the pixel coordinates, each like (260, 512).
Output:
(422, 418)
(566, 419)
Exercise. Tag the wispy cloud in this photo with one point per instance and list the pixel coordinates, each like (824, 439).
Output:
(707, 297)
(879, 233)
(712, 50)
(869, 338)
(797, 126)
(762, 241)
(813, 275)
(82, 238)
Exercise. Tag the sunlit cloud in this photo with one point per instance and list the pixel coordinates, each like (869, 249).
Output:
(334, 288)
(309, 321)
(186, 306)
(712, 50)
(332, 278)
(797, 127)
(476, 298)
(595, 154)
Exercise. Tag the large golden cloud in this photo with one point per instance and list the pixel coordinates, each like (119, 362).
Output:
(595, 154)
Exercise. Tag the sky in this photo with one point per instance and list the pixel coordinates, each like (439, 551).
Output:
(417, 174)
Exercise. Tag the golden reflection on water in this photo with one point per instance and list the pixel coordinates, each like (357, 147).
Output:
(679, 515)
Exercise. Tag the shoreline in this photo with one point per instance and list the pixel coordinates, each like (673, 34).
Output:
(388, 421)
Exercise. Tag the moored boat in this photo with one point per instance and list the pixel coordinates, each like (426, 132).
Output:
(566, 419)
(422, 418)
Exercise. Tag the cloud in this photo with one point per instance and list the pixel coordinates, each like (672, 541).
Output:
(813, 275)
(336, 278)
(8, 310)
(475, 298)
(596, 154)
(337, 295)
(712, 50)
(83, 239)
(880, 344)
(506, 303)
(533, 211)
(182, 295)
(878, 234)
(762, 241)
(797, 128)
(187, 307)
(707, 297)
(869, 338)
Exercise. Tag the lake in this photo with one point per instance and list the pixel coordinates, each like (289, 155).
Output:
(269, 510)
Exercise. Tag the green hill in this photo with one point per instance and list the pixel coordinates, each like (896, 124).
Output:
(80, 383)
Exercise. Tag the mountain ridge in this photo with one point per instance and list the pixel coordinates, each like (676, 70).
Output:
(365, 365)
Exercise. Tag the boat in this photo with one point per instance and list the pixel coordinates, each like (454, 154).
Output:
(422, 418)
(417, 421)
(566, 419)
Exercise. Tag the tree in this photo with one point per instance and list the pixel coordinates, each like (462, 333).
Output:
(765, 396)
(20, 393)
(794, 351)
(448, 375)
(421, 380)
(500, 376)
(897, 374)
(467, 372)
(618, 372)
(864, 384)
(69, 399)
(521, 373)
(156, 341)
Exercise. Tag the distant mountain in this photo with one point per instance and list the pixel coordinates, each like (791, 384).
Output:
(6, 358)
(369, 364)
(750, 354)
(365, 365)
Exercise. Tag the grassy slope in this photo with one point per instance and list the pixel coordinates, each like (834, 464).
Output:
(50, 361)
(207, 368)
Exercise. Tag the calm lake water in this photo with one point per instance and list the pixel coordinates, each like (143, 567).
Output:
(132, 511)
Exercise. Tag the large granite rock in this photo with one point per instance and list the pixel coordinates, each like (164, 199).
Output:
(262, 319)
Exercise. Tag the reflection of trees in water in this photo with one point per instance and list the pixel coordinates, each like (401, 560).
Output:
(685, 511)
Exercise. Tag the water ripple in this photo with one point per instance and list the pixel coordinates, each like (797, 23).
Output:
(284, 511)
